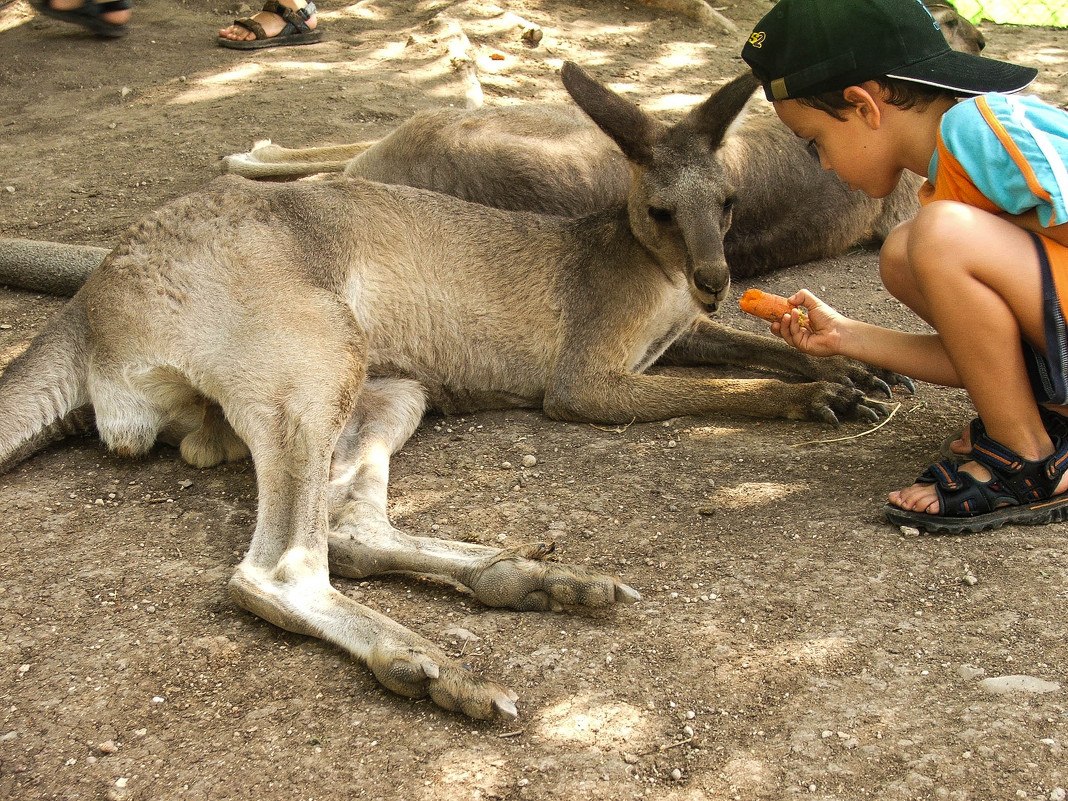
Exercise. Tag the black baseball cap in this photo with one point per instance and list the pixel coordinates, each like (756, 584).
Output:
(804, 47)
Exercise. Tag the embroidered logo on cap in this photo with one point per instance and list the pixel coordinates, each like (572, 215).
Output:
(757, 38)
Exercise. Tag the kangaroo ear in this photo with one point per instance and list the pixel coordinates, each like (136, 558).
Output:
(715, 117)
(631, 128)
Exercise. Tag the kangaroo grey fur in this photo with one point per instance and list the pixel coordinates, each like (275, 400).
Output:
(550, 159)
(311, 324)
(553, 160)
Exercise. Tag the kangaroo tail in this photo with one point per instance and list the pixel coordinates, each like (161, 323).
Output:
(47, 266)
(43, 395)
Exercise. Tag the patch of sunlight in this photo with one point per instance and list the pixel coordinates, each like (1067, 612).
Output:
(15, 14)
(817, 651)
(684, 55)
(714, 432)
(229, 83)
(625, 89)
(214, 87)
(589, 721)
(458, 774)
(1051, 55)
(753, 493)
(366, 10)
(748, 772)
(673, 102)
(389, 51)
(13, 352)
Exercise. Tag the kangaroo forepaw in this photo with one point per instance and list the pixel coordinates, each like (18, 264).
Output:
(864, 377)
(418, 671)
(518, 579)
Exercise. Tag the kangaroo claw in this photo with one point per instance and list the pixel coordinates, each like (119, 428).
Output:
(512, 579)
(418, 669)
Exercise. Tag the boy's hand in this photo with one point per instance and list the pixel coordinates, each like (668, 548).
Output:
(821, 333)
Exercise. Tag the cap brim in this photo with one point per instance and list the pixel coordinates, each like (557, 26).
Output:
(965, 73)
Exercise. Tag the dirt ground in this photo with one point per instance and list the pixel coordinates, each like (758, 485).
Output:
(789, 642)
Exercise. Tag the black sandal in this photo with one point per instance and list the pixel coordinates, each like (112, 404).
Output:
(1056, 426)
(1019, 491)
(88, 16)
(295, 32)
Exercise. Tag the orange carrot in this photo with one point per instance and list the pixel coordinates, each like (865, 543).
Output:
(766, 305)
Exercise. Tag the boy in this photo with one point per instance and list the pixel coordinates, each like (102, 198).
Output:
(873, 86)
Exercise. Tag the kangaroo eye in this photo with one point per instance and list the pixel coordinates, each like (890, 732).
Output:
(728, 204)
(660, 215)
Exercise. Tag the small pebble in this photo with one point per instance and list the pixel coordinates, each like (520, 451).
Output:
(676, 774)
(530, 460)
(1056, 794)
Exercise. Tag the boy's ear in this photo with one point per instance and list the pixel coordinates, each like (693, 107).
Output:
(865, 104)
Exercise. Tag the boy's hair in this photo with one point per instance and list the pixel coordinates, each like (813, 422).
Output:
(903, 94)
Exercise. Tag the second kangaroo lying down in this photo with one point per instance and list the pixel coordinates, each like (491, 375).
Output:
(311, 324)
(551, 159)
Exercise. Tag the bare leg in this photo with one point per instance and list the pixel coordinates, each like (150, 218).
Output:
(975, 277)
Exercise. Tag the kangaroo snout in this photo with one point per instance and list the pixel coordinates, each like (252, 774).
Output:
(711, 285)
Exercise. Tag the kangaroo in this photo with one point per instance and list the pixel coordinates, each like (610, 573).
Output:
(311, 325)
(553, 160)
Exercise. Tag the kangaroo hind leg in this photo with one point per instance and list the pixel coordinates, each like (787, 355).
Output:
(363, 542)
(289, 402)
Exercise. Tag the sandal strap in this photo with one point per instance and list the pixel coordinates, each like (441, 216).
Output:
(250, 24)
(1027, 480)
(114, 5)
(297, 17)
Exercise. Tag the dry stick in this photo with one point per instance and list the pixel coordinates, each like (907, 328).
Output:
(854, 436)
(617, 429)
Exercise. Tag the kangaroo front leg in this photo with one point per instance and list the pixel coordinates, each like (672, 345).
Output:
(627, 397)
(708, 342)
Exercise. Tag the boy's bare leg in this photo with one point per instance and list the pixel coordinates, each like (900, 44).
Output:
(976, 279)
(272, 23)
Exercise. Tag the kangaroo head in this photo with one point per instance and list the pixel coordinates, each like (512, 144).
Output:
(680, 199)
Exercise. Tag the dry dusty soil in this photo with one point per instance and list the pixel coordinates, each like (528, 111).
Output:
(790, 643)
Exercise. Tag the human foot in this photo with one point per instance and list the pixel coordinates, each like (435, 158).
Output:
(999, 487)
(104, 19)
(277, 25)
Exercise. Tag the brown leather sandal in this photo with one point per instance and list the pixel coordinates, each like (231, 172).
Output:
(295, 32)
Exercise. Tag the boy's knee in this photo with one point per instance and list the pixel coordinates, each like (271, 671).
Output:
(893, 259)
(944, 222)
